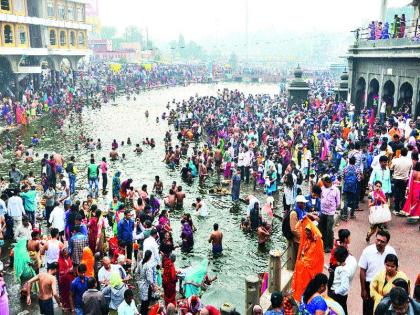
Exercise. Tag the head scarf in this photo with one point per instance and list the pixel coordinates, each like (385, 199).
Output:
(89, 260)
(115, 279)
(21, 261)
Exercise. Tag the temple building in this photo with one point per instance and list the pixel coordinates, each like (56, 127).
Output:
(35, 33)
(384, 63)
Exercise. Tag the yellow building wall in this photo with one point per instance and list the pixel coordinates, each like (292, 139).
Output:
(16, 30)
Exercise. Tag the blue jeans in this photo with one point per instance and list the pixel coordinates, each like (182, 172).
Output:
(349, 201)
(72, 180)
(94, 182)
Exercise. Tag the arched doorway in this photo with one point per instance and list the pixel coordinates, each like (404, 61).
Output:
(6, 77)
(373, 92)
(388, 95)
(359, 99)
(66, 70)
(406, 96)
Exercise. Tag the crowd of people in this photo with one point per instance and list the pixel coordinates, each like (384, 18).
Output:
(397, 29)
(305, 158)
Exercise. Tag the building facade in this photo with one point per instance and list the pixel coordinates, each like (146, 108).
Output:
(35, 32)
(386, 70)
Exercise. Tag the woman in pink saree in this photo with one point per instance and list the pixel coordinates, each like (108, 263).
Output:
(412, 203)
(18, 114)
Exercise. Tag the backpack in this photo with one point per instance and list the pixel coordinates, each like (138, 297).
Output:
(350, 180)
(285, 227)
(69, 168)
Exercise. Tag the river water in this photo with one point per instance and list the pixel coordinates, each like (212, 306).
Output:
(241, 256)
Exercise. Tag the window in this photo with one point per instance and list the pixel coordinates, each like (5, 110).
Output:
(72, 39)
(70, 11)
(22, 35)
(61, 11)
(81, 39)
(53, 38)
(8, 34)
(50, 8)
(19, 7)
(63, 39)
(80, 14)
(5, 5)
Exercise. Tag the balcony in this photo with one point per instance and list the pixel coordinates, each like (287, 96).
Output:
(10, 18)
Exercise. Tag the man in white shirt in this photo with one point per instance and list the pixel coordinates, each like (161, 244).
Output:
(343, 276)
(57, 218)
(248, 157)
(401, 167)
(16, 210)
(104, 273)
(151, 244)
(371, 262)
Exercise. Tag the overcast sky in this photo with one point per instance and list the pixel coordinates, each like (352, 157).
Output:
(197, 19)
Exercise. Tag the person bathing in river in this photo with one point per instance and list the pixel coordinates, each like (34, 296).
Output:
(200, 207)
(215, 239)
(157, 186)
(113, 155)
(138, 149)
(170, 200)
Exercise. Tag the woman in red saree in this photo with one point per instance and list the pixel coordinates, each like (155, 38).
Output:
(169, 279)
(66, 275)
(94, 231)
(412, 203)
(310, 258)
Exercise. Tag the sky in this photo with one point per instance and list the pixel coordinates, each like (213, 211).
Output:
(200, 19)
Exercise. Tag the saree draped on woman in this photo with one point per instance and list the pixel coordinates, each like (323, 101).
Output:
(21, 263)
(412, 203)
(169, 280)
(116, 184)
(310, 257)
(194, 277)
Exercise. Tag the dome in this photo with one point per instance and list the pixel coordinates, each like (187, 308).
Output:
(298, 72)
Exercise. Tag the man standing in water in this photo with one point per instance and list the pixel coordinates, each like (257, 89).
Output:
(47, 289)
(215, 239)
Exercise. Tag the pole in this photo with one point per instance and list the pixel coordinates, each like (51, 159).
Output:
(274, 278)
(252, 293)
(246, 30)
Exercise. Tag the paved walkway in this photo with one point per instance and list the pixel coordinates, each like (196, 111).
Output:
(404, 238)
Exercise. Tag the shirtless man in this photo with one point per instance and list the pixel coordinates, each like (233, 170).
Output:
(180, 196)
(47, 289)
(215, 239)
(34, 246)
(263, 234)
(170, 200)
(158, 186)
(202, 172)
(113, 155)
(218, 159)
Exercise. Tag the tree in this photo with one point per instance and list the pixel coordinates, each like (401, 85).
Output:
(133, 34)
(233, 60)
(108, 32)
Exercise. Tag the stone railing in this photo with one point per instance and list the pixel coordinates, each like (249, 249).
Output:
(280, 274)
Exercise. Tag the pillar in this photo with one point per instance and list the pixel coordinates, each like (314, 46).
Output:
(396, 93)
(366, 90)
(226, 309)
(415, 100)
(252, 293)
(382, 16)
(17, 87)
(381, 82)
(274, 269)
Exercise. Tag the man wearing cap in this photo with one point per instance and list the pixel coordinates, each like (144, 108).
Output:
(330, 202)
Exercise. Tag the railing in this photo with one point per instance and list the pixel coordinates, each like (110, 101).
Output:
(253, 283)
(366, 34)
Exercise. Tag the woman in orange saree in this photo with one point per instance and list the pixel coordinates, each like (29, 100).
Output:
(310, 258)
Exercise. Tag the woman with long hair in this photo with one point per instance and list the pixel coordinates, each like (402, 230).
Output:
(312, 300)
(187, 237)
(376, 198)
(66, 274)
(381, 284)
(289, 185)
(146, 284)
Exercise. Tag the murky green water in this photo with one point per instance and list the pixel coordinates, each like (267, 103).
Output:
(241, 256)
